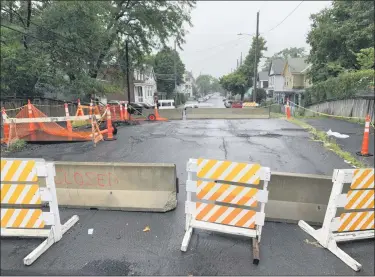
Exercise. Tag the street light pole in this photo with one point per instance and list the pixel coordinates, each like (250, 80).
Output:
(175, 67)
(256, 61)
(127, 69)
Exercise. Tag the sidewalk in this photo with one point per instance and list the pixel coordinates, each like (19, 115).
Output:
(355, 131)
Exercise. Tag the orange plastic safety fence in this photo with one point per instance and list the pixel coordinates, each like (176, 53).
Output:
(43, 131)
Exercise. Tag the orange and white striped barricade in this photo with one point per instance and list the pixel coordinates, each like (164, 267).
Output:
(19, 186)
(245, 218)
(356, 222)
(249, 104)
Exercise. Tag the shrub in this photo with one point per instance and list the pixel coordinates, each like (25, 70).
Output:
(346, 85)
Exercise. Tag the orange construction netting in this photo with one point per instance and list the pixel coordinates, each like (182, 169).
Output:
(41, 131)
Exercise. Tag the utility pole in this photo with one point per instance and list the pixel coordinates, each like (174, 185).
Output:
(256, 61)
(237, 63)
(241, 59)
(127, 69)
(175, 67)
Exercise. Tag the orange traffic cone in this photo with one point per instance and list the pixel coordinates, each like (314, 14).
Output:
(5, 125)
(79, 109)
(31, 124)
(157, 116)
(121, 112)
(109, 124)
(287, 109)
(366, 135)
(126, 114)
(68, 123)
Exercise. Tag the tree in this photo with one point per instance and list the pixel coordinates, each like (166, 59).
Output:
(207, 83)
(82, 38)
(164, 70)
(337, 34)
(365, 58)
(292, 52)
(247, 69)
(234, 82)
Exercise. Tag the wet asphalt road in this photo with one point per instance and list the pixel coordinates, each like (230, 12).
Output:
(351, 144)
(118, 245)
(275, 143)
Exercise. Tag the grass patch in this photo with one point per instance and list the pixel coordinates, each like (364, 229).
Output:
(276, 115)
(80, 123)
(18, 145)
(328, 143)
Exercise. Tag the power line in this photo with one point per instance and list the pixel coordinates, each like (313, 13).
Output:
(26, 34)
(284, 18)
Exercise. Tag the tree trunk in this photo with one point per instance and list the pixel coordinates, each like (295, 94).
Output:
(28, 13)
(11, 11)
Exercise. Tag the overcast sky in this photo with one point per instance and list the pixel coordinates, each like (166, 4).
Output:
(213, 46)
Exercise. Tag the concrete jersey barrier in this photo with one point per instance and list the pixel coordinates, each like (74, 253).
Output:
(171, 114)
(227, 113)
(298, 196)
(117, 186)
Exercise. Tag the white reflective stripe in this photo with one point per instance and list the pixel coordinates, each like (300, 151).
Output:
(227, 171)
(199, 209)
(249, 222)
(238, 217)
(38, 222)
(225, 193)
(19, 170)
(26, 218)
(367, 124)
(24, 192)
(360, 198)
(212, 191)
(213, 169)
(225, 214)
(210, 213)
(253, 178)
(202, 164)
(5, 170)
(242, 173)
(353, 221)
(371, 214)
(201, 186)
(9, 194)
(240, 195)
(13, 217)
(3, 212)
(369, 176)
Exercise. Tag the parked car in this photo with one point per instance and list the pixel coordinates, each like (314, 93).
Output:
(166, 104)
(200, 100)
(236, 104)
(191, 105)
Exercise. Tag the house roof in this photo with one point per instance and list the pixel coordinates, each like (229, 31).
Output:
(277, 66)
(263, 76)
(297, 65)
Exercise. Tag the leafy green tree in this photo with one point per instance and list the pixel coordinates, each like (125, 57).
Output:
(365, 58)
(247, 69)
(234, 82)
(292, 52)
(337, 34)
(74, 41)
(164, 70)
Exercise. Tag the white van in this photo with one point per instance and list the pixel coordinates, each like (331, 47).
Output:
(166, 104)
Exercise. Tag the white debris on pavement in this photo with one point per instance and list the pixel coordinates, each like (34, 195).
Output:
(336, 134)
(90, 231)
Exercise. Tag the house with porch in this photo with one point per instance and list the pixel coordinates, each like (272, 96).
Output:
(295, 80)
(187, 86)
(276, 79)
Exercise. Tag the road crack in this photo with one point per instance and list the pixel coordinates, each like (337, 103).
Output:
(224, 148)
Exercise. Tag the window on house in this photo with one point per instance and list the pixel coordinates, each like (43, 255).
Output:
(140, 94)
(265, 84)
